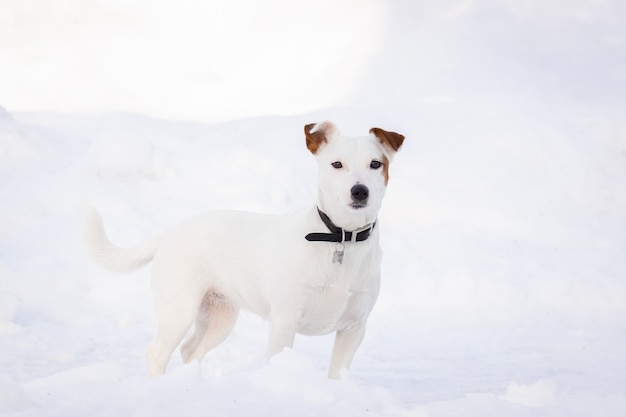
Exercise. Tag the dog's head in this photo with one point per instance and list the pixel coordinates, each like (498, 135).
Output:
(353, 172)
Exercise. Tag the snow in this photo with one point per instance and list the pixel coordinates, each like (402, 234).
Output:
(186, 59)
(503, 227)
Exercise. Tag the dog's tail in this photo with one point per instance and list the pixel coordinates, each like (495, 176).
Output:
(110, 256)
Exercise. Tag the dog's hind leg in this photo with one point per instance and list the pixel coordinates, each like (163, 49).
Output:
(175, 313)
(162, 347)
(215, 321)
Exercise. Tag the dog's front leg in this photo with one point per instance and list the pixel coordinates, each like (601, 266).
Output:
(282, 333)
(346, 343)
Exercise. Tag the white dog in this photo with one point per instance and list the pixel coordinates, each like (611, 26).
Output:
(313, 271)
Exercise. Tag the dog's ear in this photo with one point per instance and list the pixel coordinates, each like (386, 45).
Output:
(391, 140)
(318, 134)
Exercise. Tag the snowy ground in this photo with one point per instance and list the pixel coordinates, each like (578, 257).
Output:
(504, 226)
(503, 272)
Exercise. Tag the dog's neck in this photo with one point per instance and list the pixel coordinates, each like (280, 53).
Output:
(338, 234)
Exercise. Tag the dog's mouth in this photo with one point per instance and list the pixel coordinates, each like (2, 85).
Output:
(358, 205)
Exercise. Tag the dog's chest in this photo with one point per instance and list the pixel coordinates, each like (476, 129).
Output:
(339, 296)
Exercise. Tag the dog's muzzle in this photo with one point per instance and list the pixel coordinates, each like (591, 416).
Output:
(360, 195)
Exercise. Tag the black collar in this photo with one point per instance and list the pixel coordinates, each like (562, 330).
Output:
(338, 234)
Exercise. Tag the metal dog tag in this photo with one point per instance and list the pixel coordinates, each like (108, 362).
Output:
(338, 255)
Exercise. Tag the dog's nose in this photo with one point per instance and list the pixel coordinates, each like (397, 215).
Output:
(360, 193)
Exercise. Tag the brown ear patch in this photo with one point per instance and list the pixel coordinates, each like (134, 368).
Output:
(317, 134)
(386, 169)
(392, 140)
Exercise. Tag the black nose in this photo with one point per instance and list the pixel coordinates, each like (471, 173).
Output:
(360, 193)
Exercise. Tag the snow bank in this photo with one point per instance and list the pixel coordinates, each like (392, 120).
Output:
(539, 394)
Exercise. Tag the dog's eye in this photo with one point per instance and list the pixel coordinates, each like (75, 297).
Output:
(375, 164)
(337, 165)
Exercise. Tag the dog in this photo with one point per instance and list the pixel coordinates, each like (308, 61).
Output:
(313, 271)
